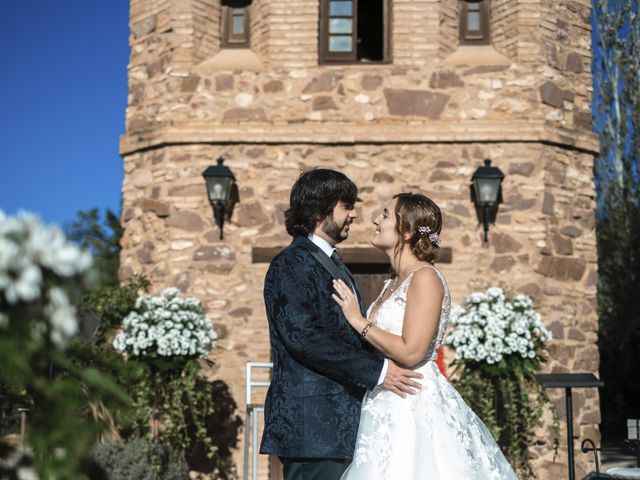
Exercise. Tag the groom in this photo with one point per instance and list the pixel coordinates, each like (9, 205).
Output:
(321, 366)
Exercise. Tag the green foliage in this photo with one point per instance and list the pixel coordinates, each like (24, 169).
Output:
(173, 407)
(82, 393)
(111, 303)
(616, 71)
(510, 402)
(62, 426)
(132, 462)
(60, 394)
(102, 238)
(222, 428)
(88, 355)
(44, 276)
(169, 399)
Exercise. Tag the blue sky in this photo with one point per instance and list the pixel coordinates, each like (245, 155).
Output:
(63, 91)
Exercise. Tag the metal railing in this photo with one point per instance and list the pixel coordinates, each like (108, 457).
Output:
(251, 419)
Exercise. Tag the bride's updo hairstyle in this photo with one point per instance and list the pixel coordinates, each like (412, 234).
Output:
(419, 216)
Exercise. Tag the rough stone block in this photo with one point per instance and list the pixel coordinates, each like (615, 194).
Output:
(190, 83)
(445, 79)
(324, 102)
(523, 168)
(420, 103)
(238, 115)
(583, 120)
(189, 221)
(371, 82)
(551, 94)
(325, 82)
(161, 209)
(574, 63)
(224, 83)
(273, 86)
(561, 244)
(251, 214)
(503, 243)
(502, 263)
(562, 268)
(144, 27)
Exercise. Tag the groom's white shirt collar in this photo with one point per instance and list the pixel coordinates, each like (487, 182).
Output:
(325, 246)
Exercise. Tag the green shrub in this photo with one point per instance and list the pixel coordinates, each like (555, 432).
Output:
(133, 461)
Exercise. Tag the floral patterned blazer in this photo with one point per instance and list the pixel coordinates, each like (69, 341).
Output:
(321, 367)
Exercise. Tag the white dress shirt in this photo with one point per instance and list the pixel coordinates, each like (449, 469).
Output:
(327, 248)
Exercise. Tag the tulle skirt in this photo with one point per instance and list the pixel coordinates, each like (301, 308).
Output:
(428, 436)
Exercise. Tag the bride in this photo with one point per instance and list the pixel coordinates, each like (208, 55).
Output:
(433, 434)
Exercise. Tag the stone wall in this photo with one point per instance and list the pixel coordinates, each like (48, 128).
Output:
(543, 243)
(423, 122)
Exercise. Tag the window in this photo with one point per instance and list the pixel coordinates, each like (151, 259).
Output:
(236, 25)
(354, 31)
(474, 22)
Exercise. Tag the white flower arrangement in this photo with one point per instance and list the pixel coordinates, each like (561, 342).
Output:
(490, 327)
(166, 326)
(37, 264)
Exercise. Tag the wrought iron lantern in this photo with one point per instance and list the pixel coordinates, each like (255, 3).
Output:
(486, 194)
(223, 192)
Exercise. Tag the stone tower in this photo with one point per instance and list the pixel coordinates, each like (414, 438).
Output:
(399, 95)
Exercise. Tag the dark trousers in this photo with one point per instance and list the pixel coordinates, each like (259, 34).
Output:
(313, 468)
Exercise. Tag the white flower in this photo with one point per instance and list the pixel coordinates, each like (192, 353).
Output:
(25, 286)
(495, 293)
(8, 252)
(491, 327)
(27, 247)
(476, 297)
(166, 325)
(170, 292)
(62, 317)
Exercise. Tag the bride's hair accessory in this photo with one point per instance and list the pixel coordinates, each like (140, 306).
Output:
(434, 238)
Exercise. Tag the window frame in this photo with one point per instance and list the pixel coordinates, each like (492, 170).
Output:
(467, 37)
(326, 57)
(229, 39)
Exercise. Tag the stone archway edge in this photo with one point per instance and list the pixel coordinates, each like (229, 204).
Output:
(338, 133)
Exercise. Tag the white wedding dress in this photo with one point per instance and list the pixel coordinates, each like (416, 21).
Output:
(432, 435)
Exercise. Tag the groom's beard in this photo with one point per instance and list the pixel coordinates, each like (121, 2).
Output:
(335, 231)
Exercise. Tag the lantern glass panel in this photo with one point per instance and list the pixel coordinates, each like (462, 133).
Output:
(487, 190)
(218, 188)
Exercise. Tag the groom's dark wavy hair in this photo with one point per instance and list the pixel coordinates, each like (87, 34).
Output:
(313, 197)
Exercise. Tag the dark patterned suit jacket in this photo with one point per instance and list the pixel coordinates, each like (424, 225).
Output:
(321, 367)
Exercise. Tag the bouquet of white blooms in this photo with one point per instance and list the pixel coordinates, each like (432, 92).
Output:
(39, 268)
(499, 347)
(490, 327)
(168, 335)
(166, 326)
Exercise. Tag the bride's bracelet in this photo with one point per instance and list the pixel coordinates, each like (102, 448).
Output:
(366, 329)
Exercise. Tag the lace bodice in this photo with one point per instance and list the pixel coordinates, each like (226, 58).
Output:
(389, 316)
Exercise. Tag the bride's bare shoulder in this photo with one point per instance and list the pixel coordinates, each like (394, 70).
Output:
(426, 280)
